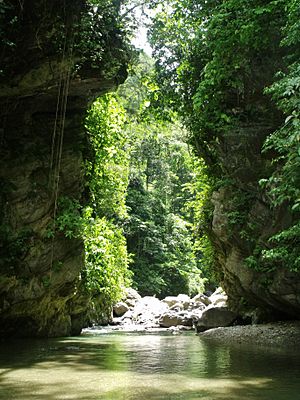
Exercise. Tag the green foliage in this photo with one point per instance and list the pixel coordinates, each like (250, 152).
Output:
(105, 273)
(206, 260)
(69, 220)
(106, 259)
(106, 262)
(101, 37)
(199, 189)
(91, 34)
(107, 167)
(212, 75)
(284, 184)
(134, 94)
(46, 281)
(159, 228)
(215, 76)
(160, 240)
(200, 208)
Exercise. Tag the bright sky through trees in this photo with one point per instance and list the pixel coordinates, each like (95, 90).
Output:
(140, 41)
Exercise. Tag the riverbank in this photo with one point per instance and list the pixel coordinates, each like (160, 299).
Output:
(281, 334)
(208, 316)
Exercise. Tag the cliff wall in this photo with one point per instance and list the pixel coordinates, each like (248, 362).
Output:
(245, 94)
(57, 56)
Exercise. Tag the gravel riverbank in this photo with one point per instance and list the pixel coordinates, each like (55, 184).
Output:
(283, 334)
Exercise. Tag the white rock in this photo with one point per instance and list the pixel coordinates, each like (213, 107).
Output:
(201, 298)
(170, 319)
(170, 300)
(132, 294)
(177, 307)
(219, 298)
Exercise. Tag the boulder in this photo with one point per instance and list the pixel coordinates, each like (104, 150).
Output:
(120, 309)
(132, 294)
(130, 303)
(185, 300)
(131, 297)
(195, 315)
(172, 318)
(177, 307)
(214, 317)
(148, 309)
(201, 298)
(218, 298)
(170, 300)
(197, 305)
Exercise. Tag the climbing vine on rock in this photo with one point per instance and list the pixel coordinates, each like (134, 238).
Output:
(284, 184)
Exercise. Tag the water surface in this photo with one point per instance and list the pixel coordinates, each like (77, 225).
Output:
(145, 367)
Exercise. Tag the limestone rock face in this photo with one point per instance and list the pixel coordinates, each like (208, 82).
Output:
(243, 218)
(42, 146)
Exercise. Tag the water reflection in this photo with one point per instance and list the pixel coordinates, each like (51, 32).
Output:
(149, 366)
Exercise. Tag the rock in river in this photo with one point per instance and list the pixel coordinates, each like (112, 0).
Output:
(214, 317)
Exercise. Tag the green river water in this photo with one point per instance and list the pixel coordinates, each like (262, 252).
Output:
(149, 366)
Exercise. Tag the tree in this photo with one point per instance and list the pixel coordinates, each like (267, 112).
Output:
(229, 59)
(159, 229)
(106, 272)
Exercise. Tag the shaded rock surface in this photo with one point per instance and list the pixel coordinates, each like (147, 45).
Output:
(40, 289)
(120, 309)
(213, 317)
(244, 219)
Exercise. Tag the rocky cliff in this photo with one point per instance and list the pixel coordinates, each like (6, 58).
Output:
(265, 294)
(238, 61)
(244, 220)
(234, 80)
(56, 56)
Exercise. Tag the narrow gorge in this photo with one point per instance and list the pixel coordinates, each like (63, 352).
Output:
(58, 56)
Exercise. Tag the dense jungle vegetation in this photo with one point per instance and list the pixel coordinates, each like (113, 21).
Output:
(144, 181)
(215, 59)
(214, 112)
(151, 187)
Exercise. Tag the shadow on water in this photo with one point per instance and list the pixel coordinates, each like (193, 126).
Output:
(239, 390)
(115, 367)
(28, 353)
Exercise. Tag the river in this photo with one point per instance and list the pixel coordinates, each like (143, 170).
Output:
(123, 366)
